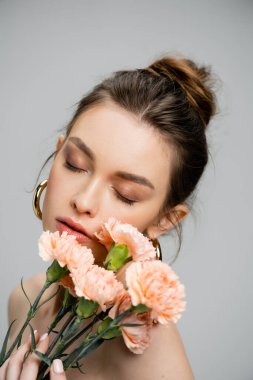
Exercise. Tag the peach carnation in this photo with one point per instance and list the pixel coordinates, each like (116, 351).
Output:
(136, 338)
(121, 304)
(67, 283)
(97, 284)
(65, 249)
(113, 231)
(154, 284)
(79, 257)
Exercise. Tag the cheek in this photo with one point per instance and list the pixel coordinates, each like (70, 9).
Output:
(142, 217)
(145, 214)
(53, 186)
(54, 193)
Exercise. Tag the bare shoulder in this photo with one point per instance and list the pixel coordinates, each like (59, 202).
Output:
(17, 301)
(171, 356)
(165, 358)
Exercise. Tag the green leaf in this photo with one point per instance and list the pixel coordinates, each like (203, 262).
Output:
(3, 350)
(78, 366)
(111, 333)
(90, 349)
(139, 308)
(68, 299)
(104, 324)
(61, 313)
(48, 299)
(33, 342)
(117, 257)
(25, 356)
(25, 292)
(90, 337)
(43, 357)
(131, 324)
(71, 331)
(55, 272)
(73, 356)
(81, 352)
(86, 308)
(19, 341)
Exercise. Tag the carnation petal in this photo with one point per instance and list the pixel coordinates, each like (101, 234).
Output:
(97, 284)
(154, 284)
(137, 338)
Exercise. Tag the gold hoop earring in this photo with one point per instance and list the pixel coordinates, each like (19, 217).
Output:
(36, 198)
(157, 246)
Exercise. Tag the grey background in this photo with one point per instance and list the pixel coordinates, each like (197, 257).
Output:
(52, 52)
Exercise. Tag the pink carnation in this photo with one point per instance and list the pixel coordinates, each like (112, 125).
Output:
(154, 284)
(65, 249)
(136, 338)
(97, 284)
(113, 231)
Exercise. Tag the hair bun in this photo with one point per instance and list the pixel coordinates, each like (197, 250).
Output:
(194, 80)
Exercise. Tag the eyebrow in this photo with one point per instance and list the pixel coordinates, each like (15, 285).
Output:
(124, 175)
(135, 178)
(83, 147)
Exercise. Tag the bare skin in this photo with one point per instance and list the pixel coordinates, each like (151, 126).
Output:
(119, 142)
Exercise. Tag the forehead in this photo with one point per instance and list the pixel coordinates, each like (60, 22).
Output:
(121, 142)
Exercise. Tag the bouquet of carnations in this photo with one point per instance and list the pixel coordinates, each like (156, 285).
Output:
(150, 293)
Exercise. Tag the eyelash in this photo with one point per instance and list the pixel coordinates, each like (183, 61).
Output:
(118, 195)
(123, 199)
(73, 168)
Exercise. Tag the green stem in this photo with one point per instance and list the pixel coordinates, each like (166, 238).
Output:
(61, 350)
(78, 354)
(30, 316)
(61, 313)
(72, 329)
(43, 366)
(69, 302)
(58, 336)
(70, 342)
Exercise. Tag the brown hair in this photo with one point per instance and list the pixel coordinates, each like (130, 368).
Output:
(174, 96)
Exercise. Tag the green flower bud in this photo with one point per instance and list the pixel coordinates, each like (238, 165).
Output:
(86, 308)
(117, 256)
(109, 334)
(139, 308)
(55, 272)
(68, 299)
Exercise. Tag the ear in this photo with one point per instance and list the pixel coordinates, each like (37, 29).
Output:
(60, 141)
(168, 221)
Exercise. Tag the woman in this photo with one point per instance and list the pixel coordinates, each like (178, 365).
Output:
(135, 149)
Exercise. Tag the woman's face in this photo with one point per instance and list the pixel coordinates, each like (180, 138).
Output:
(111, 164)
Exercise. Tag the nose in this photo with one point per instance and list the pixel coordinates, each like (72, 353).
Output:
(86, 199)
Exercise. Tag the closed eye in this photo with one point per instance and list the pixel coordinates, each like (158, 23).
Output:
(130, 202)
(73, 168)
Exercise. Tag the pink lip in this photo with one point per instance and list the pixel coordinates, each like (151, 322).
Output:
(68, 225)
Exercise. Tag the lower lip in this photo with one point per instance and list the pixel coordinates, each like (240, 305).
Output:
(80, 237)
